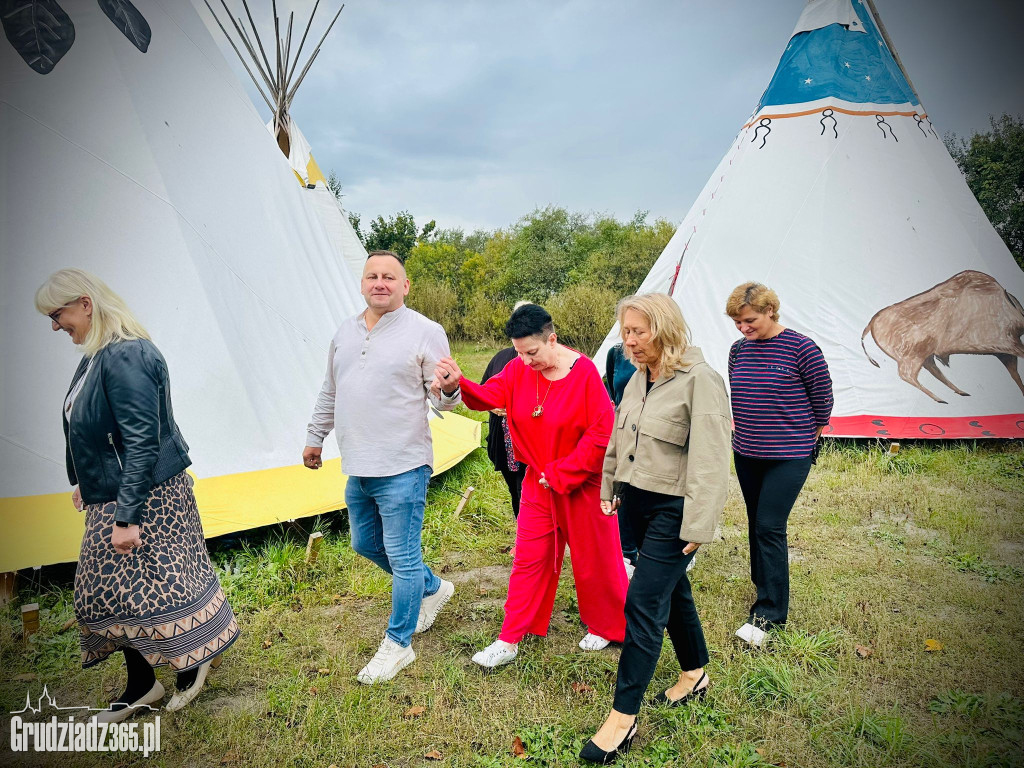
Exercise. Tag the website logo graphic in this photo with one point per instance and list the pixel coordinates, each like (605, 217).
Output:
(65, 733)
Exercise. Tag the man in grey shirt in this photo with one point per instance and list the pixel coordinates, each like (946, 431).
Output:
(376, 397)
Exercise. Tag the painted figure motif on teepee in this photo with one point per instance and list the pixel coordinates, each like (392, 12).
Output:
(42, 32)
(969, 314)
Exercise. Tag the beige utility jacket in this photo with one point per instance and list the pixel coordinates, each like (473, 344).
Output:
(675, 440)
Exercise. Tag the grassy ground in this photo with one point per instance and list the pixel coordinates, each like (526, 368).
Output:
(891, 556)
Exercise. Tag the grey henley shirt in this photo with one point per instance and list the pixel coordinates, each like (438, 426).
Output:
(376, 393)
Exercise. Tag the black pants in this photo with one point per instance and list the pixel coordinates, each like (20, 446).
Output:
(659, 598)
(626, 537)
(514, 481)
(770, 488)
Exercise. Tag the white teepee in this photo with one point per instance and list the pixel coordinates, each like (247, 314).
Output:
(839, 194)
(277, 85)
(131, 150)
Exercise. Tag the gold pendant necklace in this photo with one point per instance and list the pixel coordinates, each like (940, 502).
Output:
(539, 410)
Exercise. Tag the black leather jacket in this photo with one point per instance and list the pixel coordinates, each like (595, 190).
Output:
(122, 440)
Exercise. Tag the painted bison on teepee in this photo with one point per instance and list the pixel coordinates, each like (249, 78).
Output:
(969, 314)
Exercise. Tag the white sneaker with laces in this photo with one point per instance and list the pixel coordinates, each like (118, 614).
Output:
(432, 605)
(592, 642)
(497, 653)
(390, 659)
(630, 568)
(752, 635)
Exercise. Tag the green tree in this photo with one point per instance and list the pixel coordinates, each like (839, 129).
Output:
(583, 315)
(354, 220)
(396, 233)
(437, 301)
(334, 184)
(993, 165)
(621, 255)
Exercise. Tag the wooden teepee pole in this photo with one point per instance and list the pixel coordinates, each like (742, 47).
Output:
(298, 82)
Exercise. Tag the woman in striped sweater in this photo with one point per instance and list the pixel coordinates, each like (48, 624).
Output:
(781, 400)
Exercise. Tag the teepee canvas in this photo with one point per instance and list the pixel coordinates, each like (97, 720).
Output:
(839, 194)
(277, 85)
(131, 150)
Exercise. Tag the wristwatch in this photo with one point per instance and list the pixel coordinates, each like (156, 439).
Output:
(122, 523)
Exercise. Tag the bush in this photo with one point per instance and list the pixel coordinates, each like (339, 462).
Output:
(438, 302)
(583, 315)
(485, 320)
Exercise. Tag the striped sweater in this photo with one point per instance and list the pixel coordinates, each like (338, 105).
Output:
(781, 393)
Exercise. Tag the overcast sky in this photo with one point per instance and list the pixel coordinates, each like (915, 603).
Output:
(475, 113)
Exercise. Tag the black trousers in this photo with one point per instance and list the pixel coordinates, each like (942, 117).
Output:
(626, 538)
(770, 488)
(514, 481)
(659, 597)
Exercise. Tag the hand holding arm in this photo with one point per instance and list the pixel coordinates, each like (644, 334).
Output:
(447, 375)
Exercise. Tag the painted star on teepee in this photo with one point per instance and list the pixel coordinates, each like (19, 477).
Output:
(868, 78)
(847, 65)
(807, 81)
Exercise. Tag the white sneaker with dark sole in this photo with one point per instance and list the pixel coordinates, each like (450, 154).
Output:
(496, 654)
(752, 635)
(390, 659)
(432, 605)
(592, 642)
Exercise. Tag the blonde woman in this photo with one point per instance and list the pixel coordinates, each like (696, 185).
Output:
(669, 458)
(144, 584)
(782, 400)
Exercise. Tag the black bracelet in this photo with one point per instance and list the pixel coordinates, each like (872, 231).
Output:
(122, 523)
(453, 393)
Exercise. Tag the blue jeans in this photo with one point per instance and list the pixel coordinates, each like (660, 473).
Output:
(386, 518)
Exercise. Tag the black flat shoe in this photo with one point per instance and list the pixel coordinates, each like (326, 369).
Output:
(592, 753)
(695, 693)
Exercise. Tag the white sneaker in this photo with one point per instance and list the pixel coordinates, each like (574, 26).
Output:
(630, 568)
(497, 653)
(432, 605)
(752, 635)
(390, 659)
(592, 642)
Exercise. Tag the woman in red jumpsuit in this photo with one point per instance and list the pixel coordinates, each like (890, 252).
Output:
(560, 419)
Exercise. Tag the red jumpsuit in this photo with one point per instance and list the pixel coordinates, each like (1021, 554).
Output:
(567, 443)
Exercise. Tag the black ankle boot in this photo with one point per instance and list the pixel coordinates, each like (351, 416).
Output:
(592, 753)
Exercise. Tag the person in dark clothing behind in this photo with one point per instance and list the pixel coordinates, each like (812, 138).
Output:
(617, 373)
(499, 441)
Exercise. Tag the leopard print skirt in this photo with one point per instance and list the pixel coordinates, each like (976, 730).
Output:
(163, 599)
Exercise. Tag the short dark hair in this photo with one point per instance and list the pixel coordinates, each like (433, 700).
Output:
(392, 254)
(529, 320)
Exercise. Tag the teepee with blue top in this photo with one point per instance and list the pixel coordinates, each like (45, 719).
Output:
(840, 195)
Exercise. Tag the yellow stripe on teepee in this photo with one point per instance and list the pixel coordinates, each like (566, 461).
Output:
(313, 172)
(47, 529)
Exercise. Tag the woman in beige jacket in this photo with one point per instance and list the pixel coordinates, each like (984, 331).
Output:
(669, 456)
